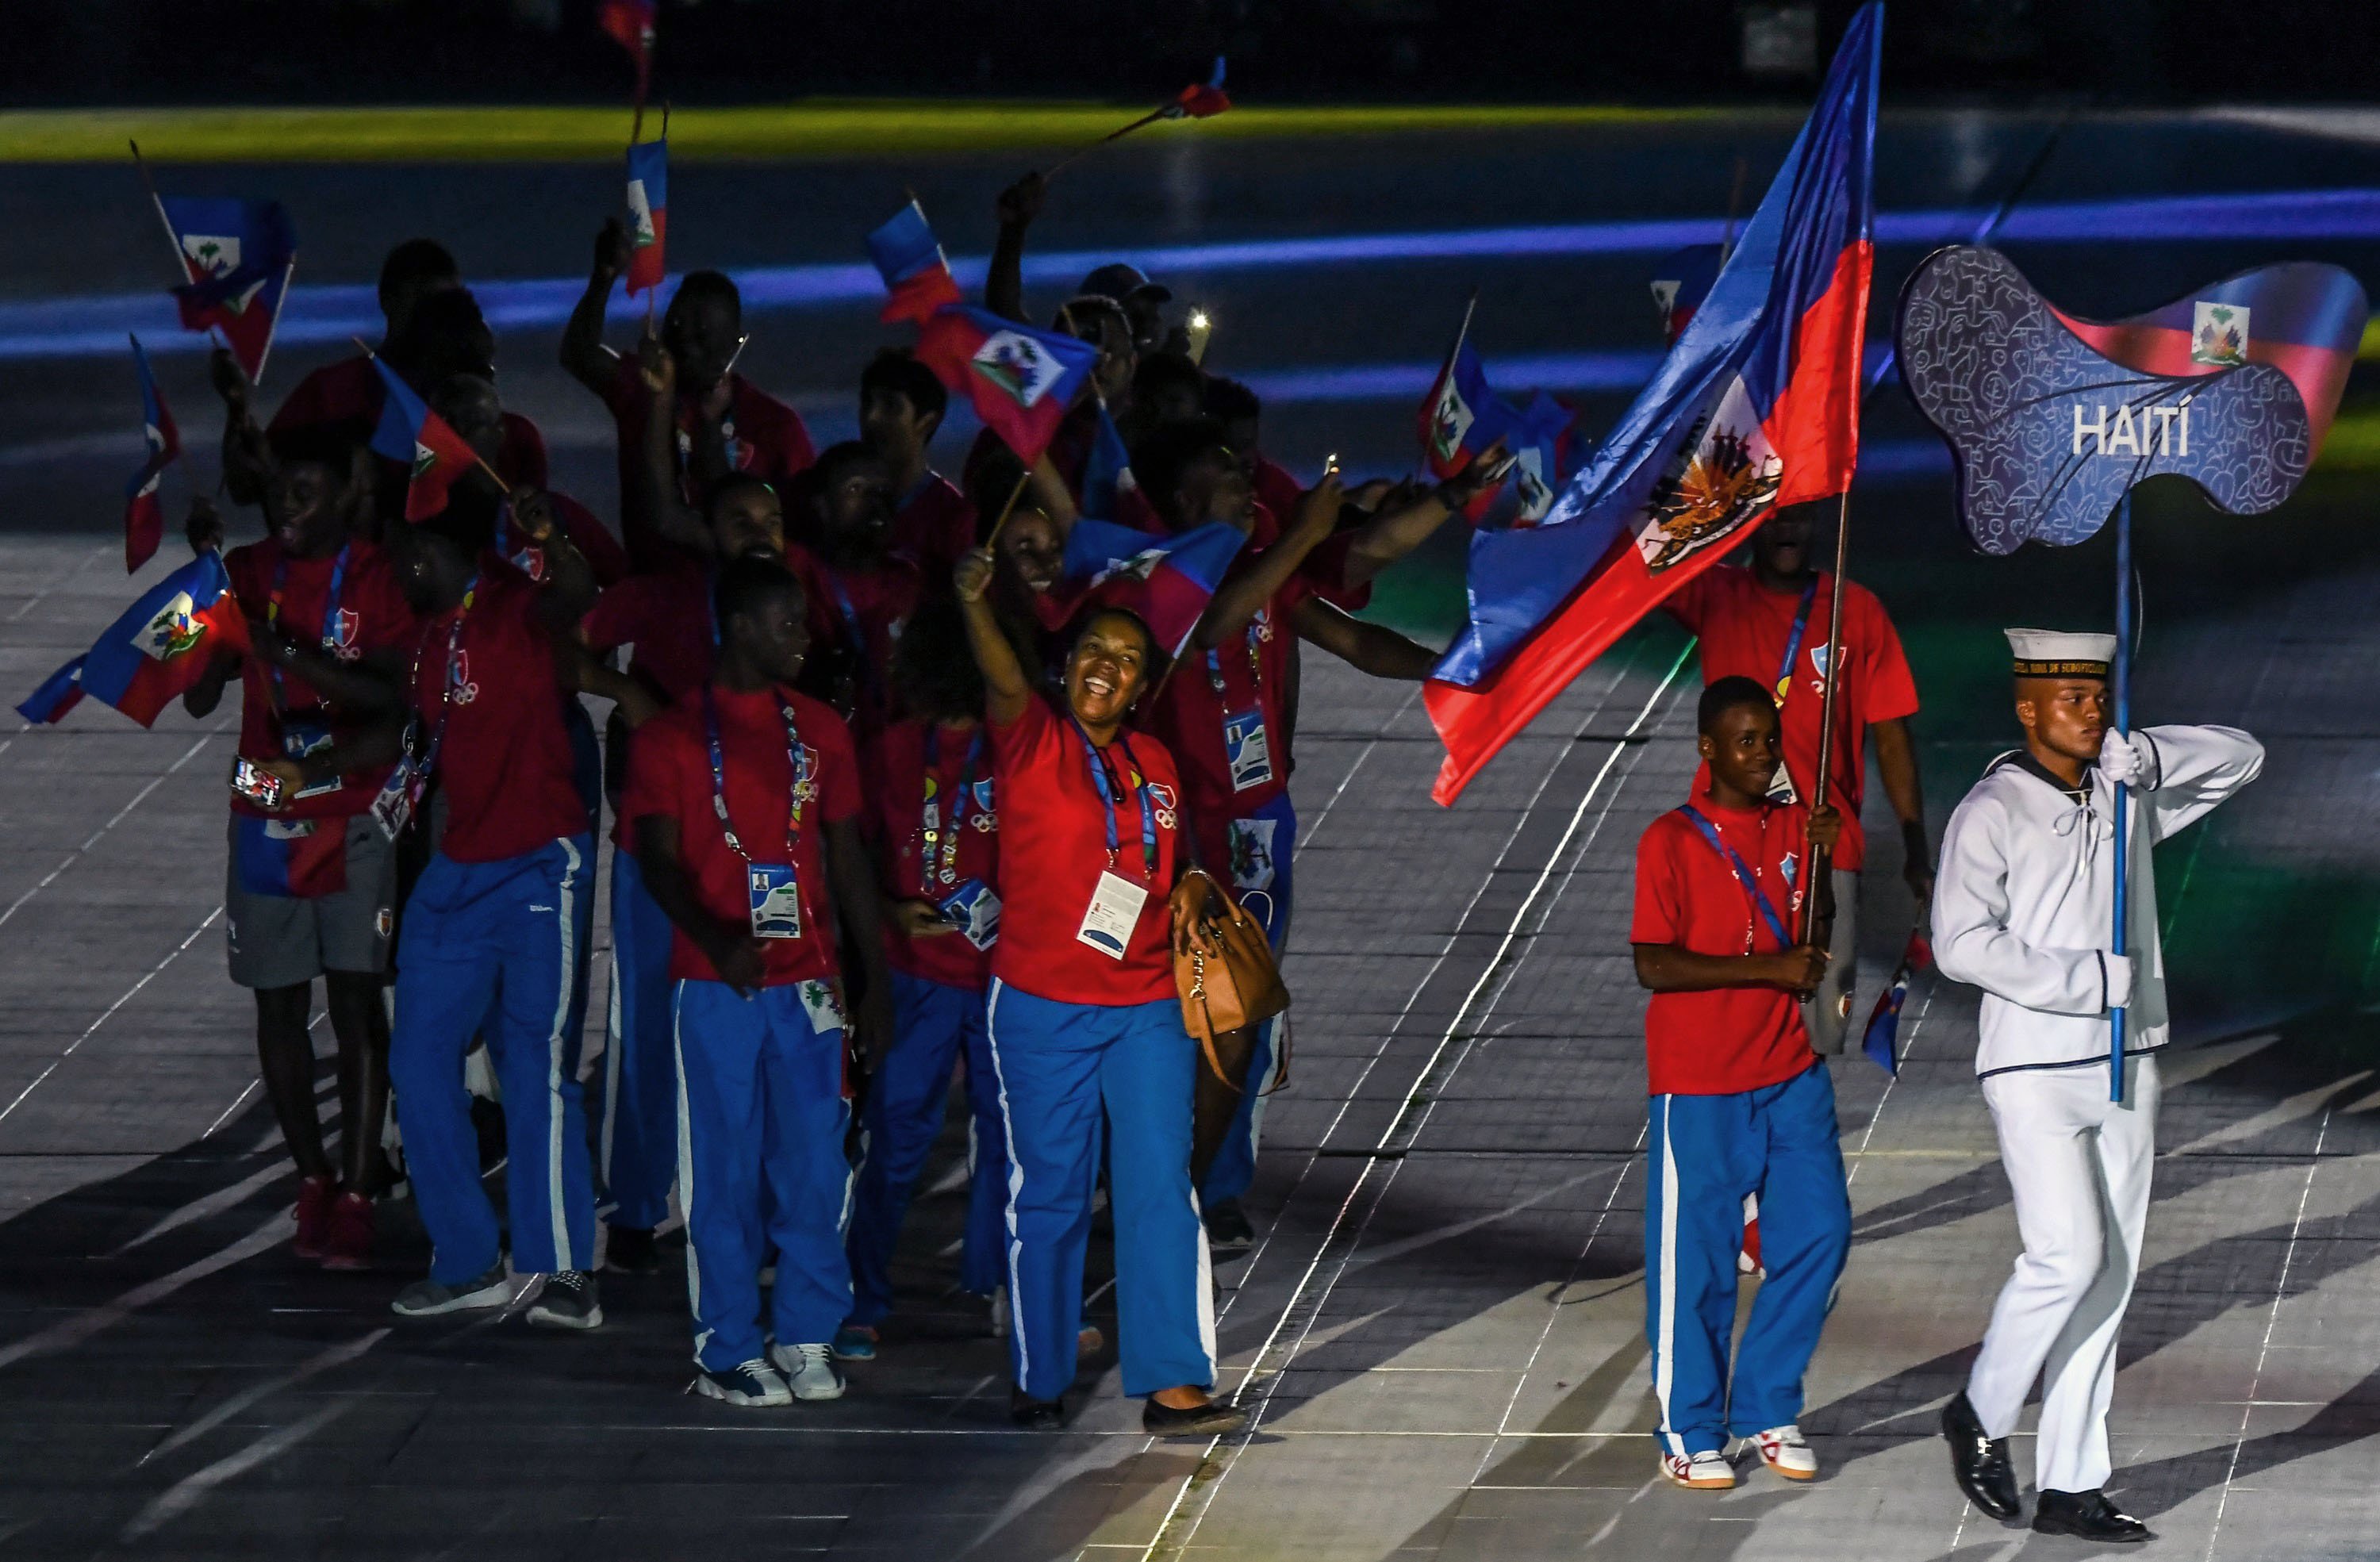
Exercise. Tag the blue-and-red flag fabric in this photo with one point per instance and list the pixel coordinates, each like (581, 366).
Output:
(1168, 581)
(909, 258)
(434, 453)
(1680, 284)
(1019, 381)
(1203, 99)
(1881, 1040)
(1755, 408)
(238, 255)
(156, 651)
(1107, 470)
(144, 512)
(305, 859)
(629, 23)
(647, 214)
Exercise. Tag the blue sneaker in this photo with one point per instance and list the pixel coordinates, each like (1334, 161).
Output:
(854, 1342)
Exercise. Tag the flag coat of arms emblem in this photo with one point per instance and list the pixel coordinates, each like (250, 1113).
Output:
(648, 215)
(156, 649)
(239, 256)
(2218, 333)
(1019, 381)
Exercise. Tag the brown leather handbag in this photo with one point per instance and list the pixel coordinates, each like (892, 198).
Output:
(1226, 978)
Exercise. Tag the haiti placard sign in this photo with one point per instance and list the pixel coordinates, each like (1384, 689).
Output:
(2052, 419)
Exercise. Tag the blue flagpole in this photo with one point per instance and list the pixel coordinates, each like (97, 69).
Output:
(2123, 678)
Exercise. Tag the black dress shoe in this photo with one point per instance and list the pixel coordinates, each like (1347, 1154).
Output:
(1979, 1463)
(2087, 1516)
(1036, 1415)
(630, 1250)
(1210, 1420)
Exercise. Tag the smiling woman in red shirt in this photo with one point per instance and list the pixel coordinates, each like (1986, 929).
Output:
(1083, 1017)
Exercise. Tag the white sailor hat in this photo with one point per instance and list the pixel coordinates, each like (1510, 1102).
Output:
(2054, 653)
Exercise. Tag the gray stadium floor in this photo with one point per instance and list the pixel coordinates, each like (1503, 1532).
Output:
(1441, 1332)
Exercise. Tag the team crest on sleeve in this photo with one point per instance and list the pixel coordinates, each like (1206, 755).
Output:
(1725, 477)
(1019, 366)
(171, 632)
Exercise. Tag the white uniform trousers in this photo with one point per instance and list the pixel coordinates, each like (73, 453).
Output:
(2078, 1166)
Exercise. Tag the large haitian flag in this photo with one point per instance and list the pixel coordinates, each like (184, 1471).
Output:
(1168, 581)
(1755, 407)
(158, 650)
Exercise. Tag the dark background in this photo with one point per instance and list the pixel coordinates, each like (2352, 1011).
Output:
(119, 52)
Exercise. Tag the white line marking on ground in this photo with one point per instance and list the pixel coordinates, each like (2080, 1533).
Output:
(191, 1490)
(138, 798)
(207, 922)
(74, 1328)
(321, 1360)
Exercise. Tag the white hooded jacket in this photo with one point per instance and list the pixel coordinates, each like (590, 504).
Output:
(2024, 899)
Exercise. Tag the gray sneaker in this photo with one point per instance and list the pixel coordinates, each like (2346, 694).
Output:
(809, 1368)
(427, 1299)
(569, 1301)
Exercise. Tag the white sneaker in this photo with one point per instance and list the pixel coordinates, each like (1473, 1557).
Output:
(755, 1383)
(810, 1369)
(1705, 1471)
(1783, 1450)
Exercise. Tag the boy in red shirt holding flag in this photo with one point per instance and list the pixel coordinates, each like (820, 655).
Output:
(1741, 1105)
(743, 806)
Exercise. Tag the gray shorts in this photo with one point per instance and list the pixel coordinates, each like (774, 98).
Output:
(280, 940)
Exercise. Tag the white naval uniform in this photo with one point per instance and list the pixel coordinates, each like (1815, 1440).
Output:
(2023, 905)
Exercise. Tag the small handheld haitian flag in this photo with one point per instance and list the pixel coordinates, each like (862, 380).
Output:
(1167, 581)
(647, 214)
(238, 255)
(1201, 100)
(1680, 286)
(156, 651)
(302, 859)
(144, 514)
(629, 23)
(434, 453)
(917, 275)
(1452, 413)
(1020, 380)
(1882, 1040)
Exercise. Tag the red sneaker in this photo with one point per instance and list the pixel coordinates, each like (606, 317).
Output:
(349, 1244)
(314, 1215)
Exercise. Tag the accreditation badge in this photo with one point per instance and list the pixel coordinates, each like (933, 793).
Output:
(399, 796)
(1114, 911)
(974, 910)
(1249, 749)
(776, 900)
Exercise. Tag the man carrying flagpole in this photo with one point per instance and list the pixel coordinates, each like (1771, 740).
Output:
(2023, 910)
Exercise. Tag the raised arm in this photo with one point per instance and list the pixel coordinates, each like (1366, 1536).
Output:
(665, 497)
(1005, 687)
(1368, 648)
(1244, 594)
(1397, 531)
(583, 353)
(1004, 286)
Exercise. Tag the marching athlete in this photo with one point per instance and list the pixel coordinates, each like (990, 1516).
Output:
(1084, 1027)
(2024, 909)
(1741, 1105)
(744, 805)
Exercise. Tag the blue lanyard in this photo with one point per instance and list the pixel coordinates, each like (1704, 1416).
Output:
(796, 755)
(1256, 657)
(1794, 641)
(454, 675)
(1743, 875)
(326, 636)
(930, 825)
(1109, 784)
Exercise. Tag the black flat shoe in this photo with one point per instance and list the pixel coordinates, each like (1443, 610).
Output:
(1036, 1415)
(1978, 1463)
(1210, 1420)
(2087, 1516)
(629, 1250)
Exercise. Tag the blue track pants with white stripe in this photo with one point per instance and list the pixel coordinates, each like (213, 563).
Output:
(506, 933)
(637, 1132)
(1706, 1153)
(1058, 1065)
(760, 1102)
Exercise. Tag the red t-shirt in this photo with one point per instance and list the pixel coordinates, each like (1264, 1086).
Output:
(862, 612)
(936, 526)
(504, 763)
(1052, 819)
(1745, 629)
(669, 774)
(1728, 1039)
(1248, 719)
(373, 616)
(764, 437)
(351, 389)
(666, 617)
(901, 803)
